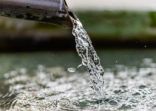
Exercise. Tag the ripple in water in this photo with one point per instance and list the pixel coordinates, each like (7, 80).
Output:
(55, 89)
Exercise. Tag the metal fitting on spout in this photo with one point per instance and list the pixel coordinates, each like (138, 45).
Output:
(50, 11)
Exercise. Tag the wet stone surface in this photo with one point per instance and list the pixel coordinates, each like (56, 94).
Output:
(56, 89)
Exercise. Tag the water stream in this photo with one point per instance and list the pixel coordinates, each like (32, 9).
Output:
(89, 56)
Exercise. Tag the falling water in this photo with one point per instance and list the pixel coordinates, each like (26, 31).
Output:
(88, 55)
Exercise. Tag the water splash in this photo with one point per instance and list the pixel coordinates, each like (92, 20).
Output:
(89, 56)
(55, 89)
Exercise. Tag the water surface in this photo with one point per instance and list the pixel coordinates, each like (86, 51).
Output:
(42, 81)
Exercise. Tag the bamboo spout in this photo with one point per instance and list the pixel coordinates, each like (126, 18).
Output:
(50, 11)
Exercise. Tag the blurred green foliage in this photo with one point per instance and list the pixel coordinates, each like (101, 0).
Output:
(102, 24)
(121, 24)
(153, 18)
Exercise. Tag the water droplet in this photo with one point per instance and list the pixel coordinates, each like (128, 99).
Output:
(71, 70)
(145, 46)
